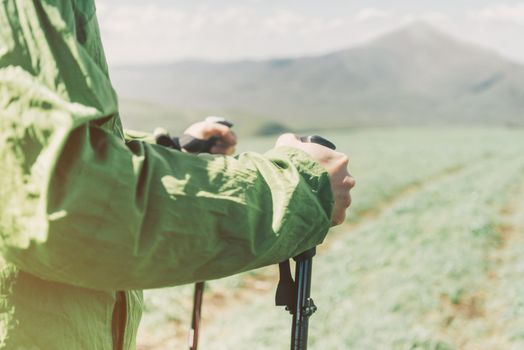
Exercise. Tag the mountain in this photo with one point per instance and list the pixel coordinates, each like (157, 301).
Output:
(415, 75)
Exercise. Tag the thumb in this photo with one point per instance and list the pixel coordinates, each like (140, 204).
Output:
(287, 139)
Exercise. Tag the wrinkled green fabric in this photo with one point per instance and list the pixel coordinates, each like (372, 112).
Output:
(85, 211)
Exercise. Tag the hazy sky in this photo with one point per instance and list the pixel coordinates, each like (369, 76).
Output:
(167, 30)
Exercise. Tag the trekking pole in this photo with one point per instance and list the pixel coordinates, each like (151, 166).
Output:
(193, 145)
(195, 318)
(295, 295)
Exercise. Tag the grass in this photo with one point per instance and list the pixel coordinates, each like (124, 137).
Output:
(431, 260)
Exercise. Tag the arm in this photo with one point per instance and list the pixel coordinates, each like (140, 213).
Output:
(81, 206)
(133, 135)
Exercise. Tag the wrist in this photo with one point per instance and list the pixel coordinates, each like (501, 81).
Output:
(315, 175)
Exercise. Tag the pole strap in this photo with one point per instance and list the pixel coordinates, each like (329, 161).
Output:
(286, 294)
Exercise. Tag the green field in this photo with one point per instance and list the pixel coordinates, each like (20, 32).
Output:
(430, 258)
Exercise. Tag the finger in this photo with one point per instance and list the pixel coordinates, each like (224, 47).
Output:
(339, 216)
(232, 137)
(221, 143)
(349, 182)
(221, 131)
(221, 149)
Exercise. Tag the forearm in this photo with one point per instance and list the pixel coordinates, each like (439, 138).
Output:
(141, 216)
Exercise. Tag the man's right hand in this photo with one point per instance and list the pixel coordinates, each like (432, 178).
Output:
(336, 164)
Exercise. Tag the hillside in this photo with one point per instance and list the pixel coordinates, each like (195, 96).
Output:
(413, 76)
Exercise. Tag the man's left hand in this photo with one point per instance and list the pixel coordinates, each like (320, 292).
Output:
(206, 129)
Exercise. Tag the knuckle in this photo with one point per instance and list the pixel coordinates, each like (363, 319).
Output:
(283, 137)
(288, 139)
(344, 160)
(207, 128)
(288, 135)
(350, 182)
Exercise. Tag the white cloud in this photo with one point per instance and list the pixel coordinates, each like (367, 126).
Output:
(283, 22)
(499, 13)
(434, 18)
(150, 31)
(370, 13)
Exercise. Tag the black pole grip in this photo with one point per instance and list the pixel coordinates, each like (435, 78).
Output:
(319, 140)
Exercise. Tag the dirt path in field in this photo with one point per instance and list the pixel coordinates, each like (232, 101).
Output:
(409, 191)
(486, 319)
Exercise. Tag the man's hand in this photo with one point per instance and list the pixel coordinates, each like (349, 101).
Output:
(336, 164)
(207, 129)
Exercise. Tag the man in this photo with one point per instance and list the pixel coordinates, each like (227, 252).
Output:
(89, 218)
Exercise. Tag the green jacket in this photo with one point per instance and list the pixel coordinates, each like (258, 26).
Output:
(85, 212)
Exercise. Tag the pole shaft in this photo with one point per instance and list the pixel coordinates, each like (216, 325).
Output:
(299, 331)
(197, 311)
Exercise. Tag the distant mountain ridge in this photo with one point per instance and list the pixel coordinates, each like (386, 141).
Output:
(413, 76)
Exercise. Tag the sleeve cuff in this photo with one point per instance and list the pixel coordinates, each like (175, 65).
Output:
(132, 135)
(313, 173)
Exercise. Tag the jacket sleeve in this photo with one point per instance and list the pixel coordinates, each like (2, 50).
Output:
(80, 205)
